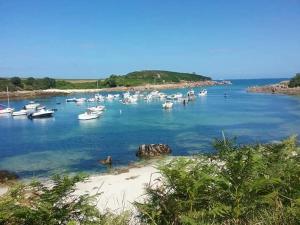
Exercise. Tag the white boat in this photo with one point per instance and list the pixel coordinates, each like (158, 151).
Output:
(91, 100)
(32, 105)
(43, 113)
(167, 105)
(80, 100)
(191, 93)
(21, 112)
(71, 100)
(88, 116)
(110, 97)
(6, 109)
(203, 92)
(96, 108)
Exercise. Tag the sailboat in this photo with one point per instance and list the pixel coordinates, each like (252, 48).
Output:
(7, 109)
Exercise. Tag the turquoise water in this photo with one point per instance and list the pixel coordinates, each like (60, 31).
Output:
(63, 144)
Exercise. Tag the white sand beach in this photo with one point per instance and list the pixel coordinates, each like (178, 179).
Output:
(119, 191)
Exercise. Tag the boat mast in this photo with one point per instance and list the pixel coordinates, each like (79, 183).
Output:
(7, 96)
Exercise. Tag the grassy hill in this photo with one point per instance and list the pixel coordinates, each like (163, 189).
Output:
(152, 77)
(131, 79)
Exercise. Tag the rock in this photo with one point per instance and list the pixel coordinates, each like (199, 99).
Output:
(6, 175)
(151, 150)
(107, 161)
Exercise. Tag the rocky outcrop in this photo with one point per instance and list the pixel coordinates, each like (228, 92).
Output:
(6, 176)
(281, 88)
(152, 150)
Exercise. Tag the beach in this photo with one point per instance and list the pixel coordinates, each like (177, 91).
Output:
(119, 191)
(59, 92)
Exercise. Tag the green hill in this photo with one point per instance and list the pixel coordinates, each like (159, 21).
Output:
(151, 77)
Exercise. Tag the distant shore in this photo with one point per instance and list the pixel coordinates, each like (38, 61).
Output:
(280, 88)
(59, 92)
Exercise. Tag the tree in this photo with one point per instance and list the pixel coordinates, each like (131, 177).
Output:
(16, 81)
(30, 81)
(295, 81)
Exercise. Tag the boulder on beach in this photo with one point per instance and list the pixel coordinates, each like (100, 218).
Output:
(6, 176)
(151, 150)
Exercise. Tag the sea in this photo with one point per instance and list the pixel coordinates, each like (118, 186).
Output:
(63, 144)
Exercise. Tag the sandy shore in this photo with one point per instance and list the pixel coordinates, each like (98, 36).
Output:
(121, 190)
(58, 92)
(118, 189)
(281, 88)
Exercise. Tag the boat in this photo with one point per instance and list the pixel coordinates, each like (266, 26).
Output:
(32, 105)
(88, 116)
(167, 105)
(21, 112)
(191, 93)
(91, 100)
(96, 108)
(7, 109)
(71, 100)
(203, 92)
(110, 97)
(43, 113)
(80, 100)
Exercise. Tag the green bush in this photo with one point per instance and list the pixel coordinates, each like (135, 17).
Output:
(54, 204)
(295, 81)
(251, 184)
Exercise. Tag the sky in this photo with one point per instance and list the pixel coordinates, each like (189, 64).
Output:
(96, 38)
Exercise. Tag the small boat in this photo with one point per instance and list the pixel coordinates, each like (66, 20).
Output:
(91, 100)
(43, 113)
(7, 109)
(71, 100)
(80, 100)
(167, 105)
(110, 97)
(203, 92)
(97, 108)
(32, 105)
(191, 93)
(21, 112)
(88, 116)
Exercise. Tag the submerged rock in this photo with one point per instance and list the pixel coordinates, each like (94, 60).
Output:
(151, 150)
(6, 175)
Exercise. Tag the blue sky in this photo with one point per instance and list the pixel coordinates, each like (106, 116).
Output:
(94, 38)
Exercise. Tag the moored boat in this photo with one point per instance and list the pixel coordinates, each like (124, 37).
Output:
(96, 108)
(3, 108)
(167, 105)
(203, 92)
(21, 112)
(43, 113)
(32, 105)
(88, 116)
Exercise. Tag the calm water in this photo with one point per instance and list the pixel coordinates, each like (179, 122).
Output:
(64, 144)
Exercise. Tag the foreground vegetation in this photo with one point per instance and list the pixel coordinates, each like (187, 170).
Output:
(252, 184)
(239, 185)
(131, 79)
(295, 81)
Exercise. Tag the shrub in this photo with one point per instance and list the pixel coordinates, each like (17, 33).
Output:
(295, 81)
(251, 184)
(39, 204)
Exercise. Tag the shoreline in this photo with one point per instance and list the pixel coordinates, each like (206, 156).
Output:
(280, 88)
(148, 87)
(119, 187)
